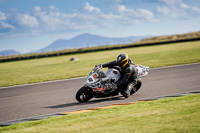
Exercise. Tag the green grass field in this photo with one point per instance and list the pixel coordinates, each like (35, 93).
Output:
(179, 115)
(55, 68)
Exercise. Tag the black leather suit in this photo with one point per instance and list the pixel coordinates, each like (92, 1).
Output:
(128, 78)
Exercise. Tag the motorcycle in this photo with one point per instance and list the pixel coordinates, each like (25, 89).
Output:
(99, 84)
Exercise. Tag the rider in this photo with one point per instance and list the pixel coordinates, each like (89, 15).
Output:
(128, 71)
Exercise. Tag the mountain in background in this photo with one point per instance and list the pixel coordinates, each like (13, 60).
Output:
(8, 52)
(172, 37)
(88, 40)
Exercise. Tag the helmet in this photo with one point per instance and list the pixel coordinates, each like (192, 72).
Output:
(122, 60)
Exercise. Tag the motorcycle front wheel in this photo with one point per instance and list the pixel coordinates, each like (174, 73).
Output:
(84, 94)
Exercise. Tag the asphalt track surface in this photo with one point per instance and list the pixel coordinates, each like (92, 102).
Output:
(26, 101)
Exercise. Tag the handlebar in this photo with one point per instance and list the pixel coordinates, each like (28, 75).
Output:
(97, 68)
(100, 73)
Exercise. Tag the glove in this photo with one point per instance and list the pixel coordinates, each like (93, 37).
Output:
(98, 66)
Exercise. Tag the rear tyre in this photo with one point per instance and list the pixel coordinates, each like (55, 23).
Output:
(137, 86)
(84, 94)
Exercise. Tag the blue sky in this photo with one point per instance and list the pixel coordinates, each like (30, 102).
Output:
(29, 25)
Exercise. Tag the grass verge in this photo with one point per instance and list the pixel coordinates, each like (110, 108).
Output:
(47, 69)
(181, 114)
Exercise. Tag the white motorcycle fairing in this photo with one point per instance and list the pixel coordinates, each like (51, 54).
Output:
(99, 84)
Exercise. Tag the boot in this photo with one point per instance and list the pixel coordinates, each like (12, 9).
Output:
(126, 93)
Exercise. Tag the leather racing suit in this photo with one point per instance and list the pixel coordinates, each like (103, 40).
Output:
(128, 76)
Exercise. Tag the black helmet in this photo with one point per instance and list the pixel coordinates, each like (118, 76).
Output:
(122, 60)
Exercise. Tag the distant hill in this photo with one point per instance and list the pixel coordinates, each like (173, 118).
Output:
(8, 52)
(80, 47)
(172, 37)
(88, 40)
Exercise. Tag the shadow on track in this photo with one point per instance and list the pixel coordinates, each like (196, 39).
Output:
(86, 103)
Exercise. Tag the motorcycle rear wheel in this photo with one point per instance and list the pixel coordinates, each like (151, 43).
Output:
(137, 86)
(84, 94)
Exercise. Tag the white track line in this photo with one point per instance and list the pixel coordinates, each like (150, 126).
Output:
(85, 77)
(41, 83)
(175, 66)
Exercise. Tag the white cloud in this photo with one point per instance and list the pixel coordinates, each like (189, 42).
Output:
(90, 8)
(52, 7)
(171, 2)
(121, 8)
(51, 19)
(177, 9)
(88, 17)
(171, 12)
(37, 9)
(27, 20)
(145, 14)
(4, 27)
(163, 2)
(131, 16)
(2, 16)
(184, 6)
(196, 10)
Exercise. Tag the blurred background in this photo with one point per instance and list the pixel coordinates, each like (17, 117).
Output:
(29, 26)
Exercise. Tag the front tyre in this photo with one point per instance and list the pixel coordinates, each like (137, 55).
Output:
(84, 94)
